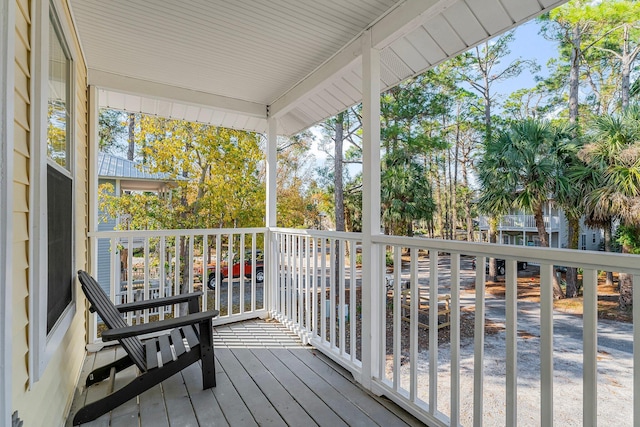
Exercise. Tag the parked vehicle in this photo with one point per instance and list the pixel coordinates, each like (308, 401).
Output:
(247, 269)
(500, 266)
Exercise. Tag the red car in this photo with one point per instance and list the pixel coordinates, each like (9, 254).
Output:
(248, 266)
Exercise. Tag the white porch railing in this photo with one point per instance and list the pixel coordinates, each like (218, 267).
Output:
(522, 222)
(433, 359)
(137, 262)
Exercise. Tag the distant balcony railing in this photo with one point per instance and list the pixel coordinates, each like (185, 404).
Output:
(437, 360)
(522, 222)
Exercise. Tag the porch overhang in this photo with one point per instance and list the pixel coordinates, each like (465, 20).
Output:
(237, 64)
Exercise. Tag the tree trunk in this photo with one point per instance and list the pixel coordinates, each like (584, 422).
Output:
(493, 232)
(544, 242)
(338, 162)
(572, 272)
(625, 283)
(440, 216)
(542, 232)
(132, 136)
(625, 69)
(467, 197)
(574, 74)
(607, 248)
(338, 191)
(454, 179)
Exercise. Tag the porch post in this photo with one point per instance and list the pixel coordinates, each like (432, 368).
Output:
(371, 254)
(271, 215)
(92, 168)
(7, 64)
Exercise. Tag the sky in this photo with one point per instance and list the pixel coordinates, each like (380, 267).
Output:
(527, 44)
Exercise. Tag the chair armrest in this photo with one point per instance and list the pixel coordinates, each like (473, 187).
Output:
(157, 302)
(163, 325)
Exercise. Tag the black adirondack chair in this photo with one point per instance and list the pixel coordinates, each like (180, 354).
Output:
(195, 327)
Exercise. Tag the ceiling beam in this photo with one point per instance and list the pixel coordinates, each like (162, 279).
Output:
(144, 88)
(399, 21)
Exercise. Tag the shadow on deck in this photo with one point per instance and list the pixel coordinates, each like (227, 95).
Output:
(265, 376)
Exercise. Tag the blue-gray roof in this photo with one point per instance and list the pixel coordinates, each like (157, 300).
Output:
(110, 166)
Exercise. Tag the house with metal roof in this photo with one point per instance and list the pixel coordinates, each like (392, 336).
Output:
(125, 176)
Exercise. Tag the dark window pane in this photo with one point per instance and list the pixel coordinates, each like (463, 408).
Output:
(60, 236)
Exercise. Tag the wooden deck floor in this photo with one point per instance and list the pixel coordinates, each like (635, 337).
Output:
(264, 377)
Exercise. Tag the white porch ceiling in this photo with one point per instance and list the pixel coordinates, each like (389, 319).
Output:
(233, 63)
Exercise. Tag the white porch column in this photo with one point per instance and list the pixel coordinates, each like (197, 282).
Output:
(372, 311)
(7, 65)
(271, 214)
(94, 113)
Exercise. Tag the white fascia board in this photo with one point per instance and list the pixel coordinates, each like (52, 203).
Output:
(145, 88)
(404, 19)
(398, 22)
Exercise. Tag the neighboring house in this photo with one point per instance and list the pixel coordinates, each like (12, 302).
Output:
(124, 175)
(519, 228)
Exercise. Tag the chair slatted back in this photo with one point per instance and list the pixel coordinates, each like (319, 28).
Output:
(112, 318)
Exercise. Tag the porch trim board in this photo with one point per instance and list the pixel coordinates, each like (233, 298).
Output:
(7, 67)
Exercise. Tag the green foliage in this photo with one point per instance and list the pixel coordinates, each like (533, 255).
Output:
(215, 178)
(629, 238)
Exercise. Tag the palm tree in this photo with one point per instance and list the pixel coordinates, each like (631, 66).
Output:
(526, 167)
(614, 155)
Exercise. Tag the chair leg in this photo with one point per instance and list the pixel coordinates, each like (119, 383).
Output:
(103, 372)
(206, 355)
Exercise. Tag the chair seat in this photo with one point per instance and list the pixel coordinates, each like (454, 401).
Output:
(169, 347)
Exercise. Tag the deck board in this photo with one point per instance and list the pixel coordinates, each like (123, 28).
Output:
(278, 396)
(153, 411)
(264, 377)
(262, 410)
(205, 405)
(322, 413)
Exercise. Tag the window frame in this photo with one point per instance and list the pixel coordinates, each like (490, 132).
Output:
(42, 345)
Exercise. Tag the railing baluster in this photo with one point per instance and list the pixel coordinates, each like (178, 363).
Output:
(314, 290)
(511, 300)
(147, 292)
(130, 277)
(190, 264)
(590, 347)
(205, 271)
(218, 279)
(241, 273)
(433, 327)
(546, 345)
(353, 314)
(413, 327)
(254, 270)
(478, 345)
(454, 331)
(342, 313)
(397, 316)
(636, 362)
(332, 293)
(230, 256)
(323, 289)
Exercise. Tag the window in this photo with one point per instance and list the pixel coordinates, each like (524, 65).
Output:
(594, 238)
(53, 236)
(59, 180)
(583, 242)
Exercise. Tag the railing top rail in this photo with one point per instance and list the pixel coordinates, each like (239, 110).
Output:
(566, 257)
(319, 233)
(176, 232)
